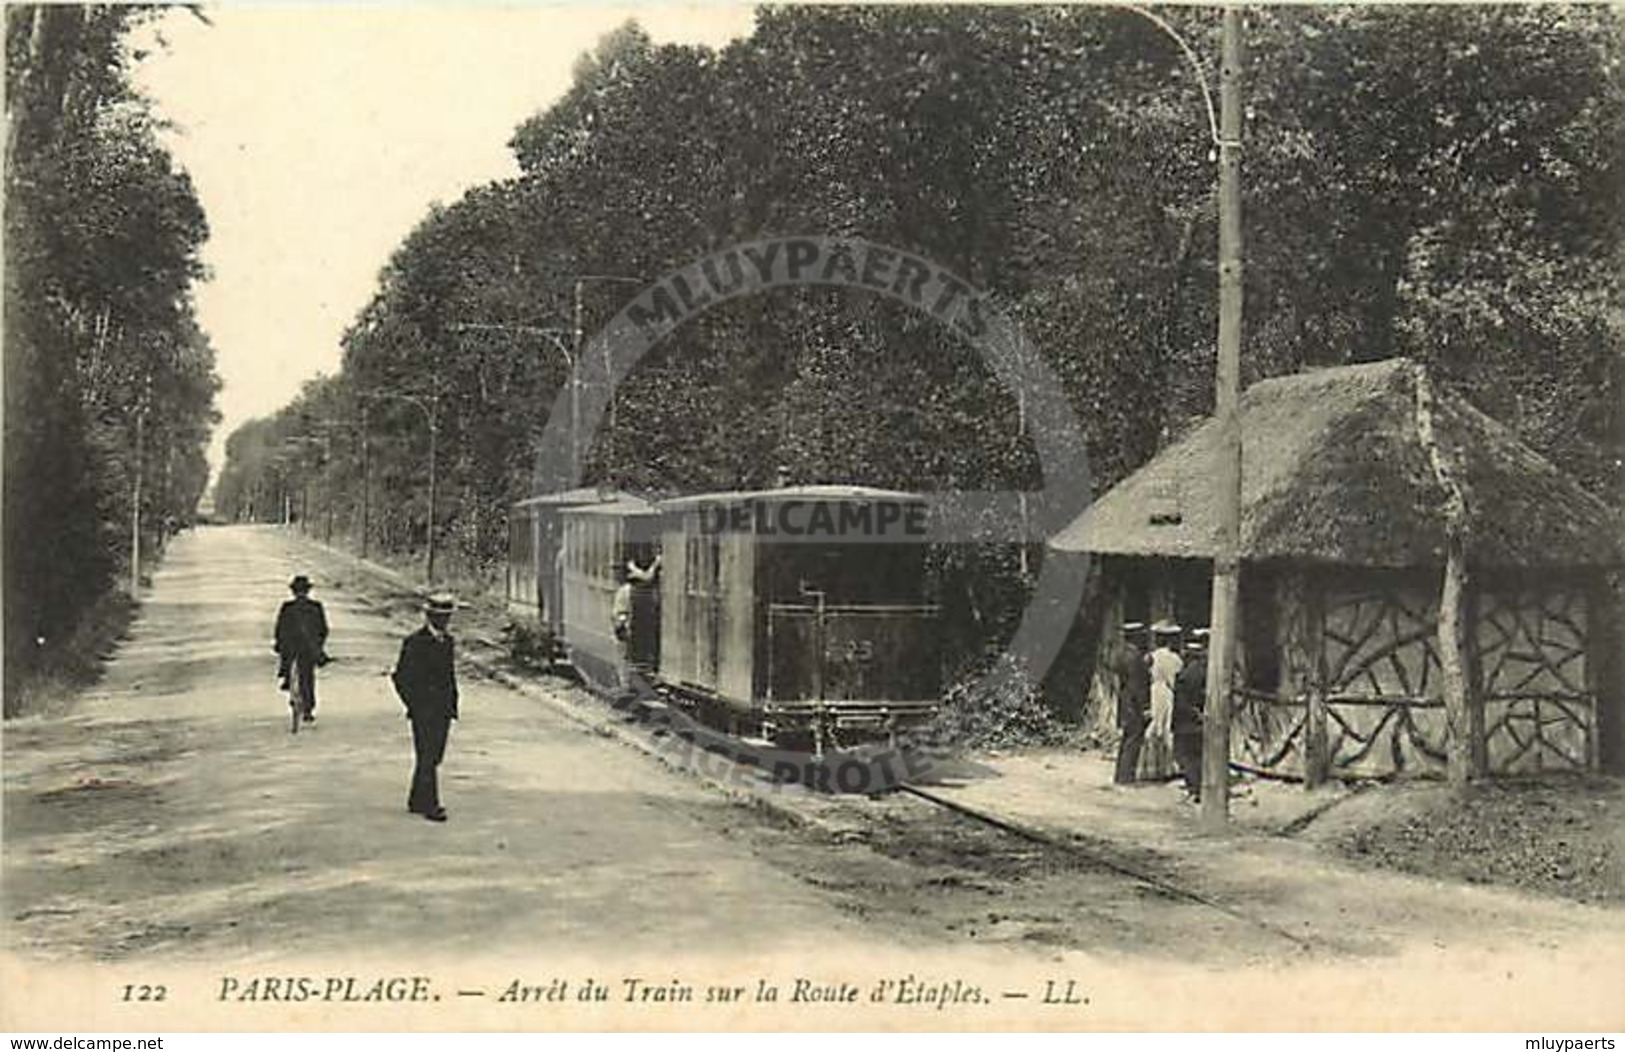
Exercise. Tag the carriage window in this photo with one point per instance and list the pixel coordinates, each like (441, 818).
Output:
(880, 574)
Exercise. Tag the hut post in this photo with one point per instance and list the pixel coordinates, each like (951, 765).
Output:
(1302, 678)
(1605, 670)
(1310, 657)
(1104, 689)
(1472, 631)
(1458, 721)
(1452, 594)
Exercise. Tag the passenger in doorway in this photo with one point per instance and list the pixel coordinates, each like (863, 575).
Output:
(620, 622)
(1133, 702)
(639, 575)
(1190, 697)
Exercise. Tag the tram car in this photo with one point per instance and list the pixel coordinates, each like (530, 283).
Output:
(800, 613)
(535, 592)
(607, 546)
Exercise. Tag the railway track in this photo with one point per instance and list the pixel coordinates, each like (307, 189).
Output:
(1092, 854)
(1101, 856)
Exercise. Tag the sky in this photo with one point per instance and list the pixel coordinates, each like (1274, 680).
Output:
(318, 137)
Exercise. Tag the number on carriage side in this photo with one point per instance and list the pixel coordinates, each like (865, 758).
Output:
(850, 651)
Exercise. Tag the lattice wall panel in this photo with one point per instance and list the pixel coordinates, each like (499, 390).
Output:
(1376, 740)
(1532, 643)
(1382, 643)
(1539, 710)
(1532, 735)
(1266, 734)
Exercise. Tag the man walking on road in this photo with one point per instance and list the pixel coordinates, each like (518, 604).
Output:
(301, 641)
(425, 678)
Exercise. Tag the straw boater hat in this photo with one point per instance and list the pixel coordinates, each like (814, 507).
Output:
(300, 583)
(440, 603)
(1165, 627)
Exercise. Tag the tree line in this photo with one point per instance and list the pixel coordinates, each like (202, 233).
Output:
(109, 382)
(1444, 182)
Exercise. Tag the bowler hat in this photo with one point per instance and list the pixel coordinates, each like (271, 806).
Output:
(440, 603)
(300, 583)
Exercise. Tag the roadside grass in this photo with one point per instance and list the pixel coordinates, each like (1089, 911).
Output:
(63, 668)
(1561, 836)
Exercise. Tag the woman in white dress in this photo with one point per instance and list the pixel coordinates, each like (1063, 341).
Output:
(1158, 762)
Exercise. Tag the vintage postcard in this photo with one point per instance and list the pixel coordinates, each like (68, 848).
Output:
(540, 517)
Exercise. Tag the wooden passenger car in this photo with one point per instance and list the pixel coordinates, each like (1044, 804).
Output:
(534, 591)
(600, 542)
(801, 610)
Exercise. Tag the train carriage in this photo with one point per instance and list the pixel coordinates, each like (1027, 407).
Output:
(606, 545)
(535, 595)
(801, 611)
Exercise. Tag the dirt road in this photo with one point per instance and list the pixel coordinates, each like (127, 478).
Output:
(173, 810)
(171, 818)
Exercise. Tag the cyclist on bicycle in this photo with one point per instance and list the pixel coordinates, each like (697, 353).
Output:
(301, 636)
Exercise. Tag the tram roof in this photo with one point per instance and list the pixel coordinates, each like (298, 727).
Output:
(621, 506)
(571, 497)
(821, 494)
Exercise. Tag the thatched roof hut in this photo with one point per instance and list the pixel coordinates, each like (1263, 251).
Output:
(1336, 471)
(1407, 557)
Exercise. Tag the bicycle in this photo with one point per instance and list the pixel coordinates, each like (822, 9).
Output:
(298, 704)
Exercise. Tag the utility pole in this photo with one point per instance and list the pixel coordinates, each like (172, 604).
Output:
(327, 487)
(135, 503)
(431, 416)
(578, 342)
(434, 432)
(567, 350)
(366, 481)
(1221, 660)
(578, 336)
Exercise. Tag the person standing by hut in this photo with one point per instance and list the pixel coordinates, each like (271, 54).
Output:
(1190, 695)
(1133, 703)
(1166, 665)
(425, 677)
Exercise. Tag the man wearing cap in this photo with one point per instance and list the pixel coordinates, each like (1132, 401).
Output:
(1190, 696)
(301, 639)
(425, 677)
(1133, 702)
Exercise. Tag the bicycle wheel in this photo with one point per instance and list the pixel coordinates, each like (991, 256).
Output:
(296, 701)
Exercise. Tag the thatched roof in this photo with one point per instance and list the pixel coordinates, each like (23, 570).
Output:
(1334, 470)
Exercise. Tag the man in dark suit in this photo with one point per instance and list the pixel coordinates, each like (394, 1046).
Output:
(301, 641)
(1190, 697)
(1133, 702)
(426, 679)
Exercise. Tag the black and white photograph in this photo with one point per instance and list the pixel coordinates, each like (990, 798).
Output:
(798, 518)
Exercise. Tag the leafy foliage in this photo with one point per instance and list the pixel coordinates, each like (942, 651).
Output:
(1443, 182)
(109, 384)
